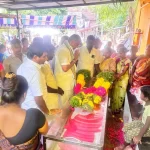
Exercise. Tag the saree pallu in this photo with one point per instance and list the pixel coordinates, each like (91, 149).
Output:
(142, 73)
(33, 144)
(108, 65)
(120, 86)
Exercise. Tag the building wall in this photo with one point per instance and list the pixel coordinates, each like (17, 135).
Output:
(143, 23)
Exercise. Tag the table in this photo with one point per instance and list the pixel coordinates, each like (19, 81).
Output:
(57, 131)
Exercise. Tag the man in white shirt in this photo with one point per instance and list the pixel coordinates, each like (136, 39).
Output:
(12, 63)
(89, 56)
(65, 69)
(31, 70)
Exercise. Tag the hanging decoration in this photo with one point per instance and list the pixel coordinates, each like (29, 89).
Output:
(8, 22)
(68, 22)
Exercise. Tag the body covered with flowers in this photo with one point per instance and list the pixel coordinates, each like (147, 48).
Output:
(89, 97)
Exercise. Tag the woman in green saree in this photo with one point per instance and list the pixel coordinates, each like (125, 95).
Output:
(120, 85)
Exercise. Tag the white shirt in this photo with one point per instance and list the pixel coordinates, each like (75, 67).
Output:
(36, 82)
(87, 60)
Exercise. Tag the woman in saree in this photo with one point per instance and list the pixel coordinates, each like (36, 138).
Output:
(19, 129)
(140, 74)
(108, 63)
(122, 77)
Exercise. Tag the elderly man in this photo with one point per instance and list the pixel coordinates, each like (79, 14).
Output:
(89, 57)
(12, 63)
(65, 69)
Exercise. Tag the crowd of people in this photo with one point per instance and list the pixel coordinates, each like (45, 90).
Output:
(39, 78)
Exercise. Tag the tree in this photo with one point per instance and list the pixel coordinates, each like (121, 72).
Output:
(112, 15)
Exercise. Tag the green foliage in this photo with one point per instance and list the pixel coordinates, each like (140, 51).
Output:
(112, 15)
(75, 101)
(107, 76)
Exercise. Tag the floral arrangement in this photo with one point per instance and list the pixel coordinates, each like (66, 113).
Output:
(86, 74)
(83, 77)
(107, 76)
(90, 98)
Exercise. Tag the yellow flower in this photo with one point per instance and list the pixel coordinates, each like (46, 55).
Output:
(80, 80)
(83, 93)
(10, 75)
(80, 77)
(85, 101)
(97, 99)
(99, 82)
(82, 83)
(80, 102)
(90, 103)
(88, 95)
(106, 85)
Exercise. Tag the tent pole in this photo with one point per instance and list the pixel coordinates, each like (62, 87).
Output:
(18, 26)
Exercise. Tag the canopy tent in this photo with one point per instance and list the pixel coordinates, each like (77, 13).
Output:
(67, 22)
(41, 4)
(37, 4)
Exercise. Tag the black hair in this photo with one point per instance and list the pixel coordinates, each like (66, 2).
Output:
(13, 89)
(146, 91)
(36, 49)
(74, 37)
(91, 38)
(37, 40)
(24, 39)
(15, 42)
(98, 39)
(63, 39)
(119, 46)
(2, 46)
(123, 49)
(108, 49)
(47, 39)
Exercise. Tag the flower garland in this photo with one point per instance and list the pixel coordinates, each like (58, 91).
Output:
(90, 98)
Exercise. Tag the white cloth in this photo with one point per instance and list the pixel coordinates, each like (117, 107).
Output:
(87, 60)
(36, 82)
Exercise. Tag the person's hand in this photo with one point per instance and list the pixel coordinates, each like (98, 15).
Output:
(76, 54)
(137, 140)
(60, 91)
(118, 76)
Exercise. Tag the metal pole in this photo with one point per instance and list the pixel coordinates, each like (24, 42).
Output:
(18, 26)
